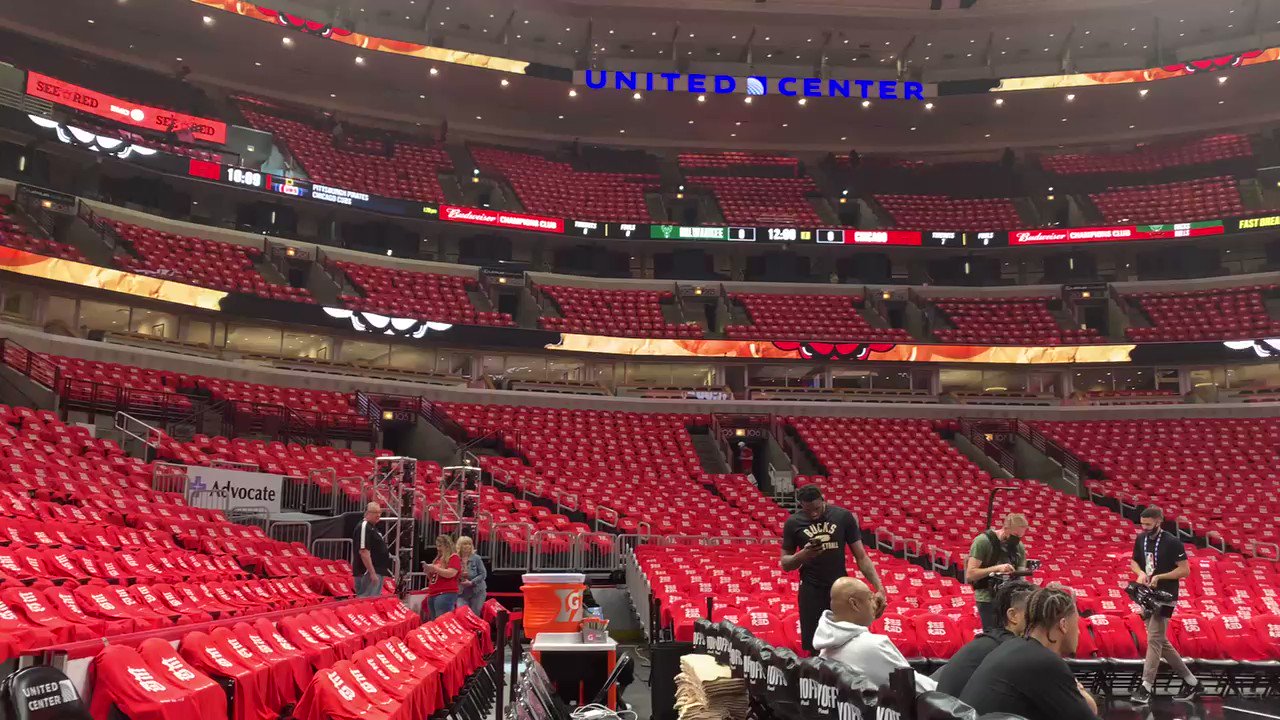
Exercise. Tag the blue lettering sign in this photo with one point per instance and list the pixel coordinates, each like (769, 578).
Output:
(725, 84)
(597, 84)
(624, 80)
(697, 83)
(888, 90)
(784, 87)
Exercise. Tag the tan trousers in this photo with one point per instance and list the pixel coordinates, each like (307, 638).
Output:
(1158, 646)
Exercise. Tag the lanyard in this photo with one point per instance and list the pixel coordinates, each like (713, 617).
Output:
(1147, 550)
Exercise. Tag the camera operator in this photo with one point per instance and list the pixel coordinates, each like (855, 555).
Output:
(1028, 676)
(814, 541)
(1160, 561)
(1011, 606)
(995, 552)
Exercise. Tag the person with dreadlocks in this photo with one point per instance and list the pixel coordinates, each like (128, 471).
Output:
(1010, 602)
(1028, 676)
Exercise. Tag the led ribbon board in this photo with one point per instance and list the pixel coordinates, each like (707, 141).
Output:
(698, 84)
(122, 111)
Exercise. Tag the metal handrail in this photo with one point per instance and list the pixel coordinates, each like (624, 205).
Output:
(129, 426)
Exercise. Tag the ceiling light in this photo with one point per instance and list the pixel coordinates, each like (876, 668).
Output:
(287, 41)
(999, 102)
(866, 103)
(435, 71)
(803, 101)
(422, 97)
(733, 134)
(690, 122)
(505, 82)
(845, 137)
(636, 96)
(479, 118)
(987, 135)
(1071, 96)
(1050, 34)
(573, 93)
(91, 22)
(1132, 127)
(1221, 102)
(913, 129)
(359, 60)
(928, 106)
(1143, 92)
(561, 117)
(332, 95)
(1064, 119)
(622, 132)
(1222, 79)
(207, 20)
(690, 34)
(566, 29)
(702, 98)
(747, 100)
(257, 64)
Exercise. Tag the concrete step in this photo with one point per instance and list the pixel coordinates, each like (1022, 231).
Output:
(1027, 212)
(824, 210)
(710, 455)
(873, 317)
(657, 206)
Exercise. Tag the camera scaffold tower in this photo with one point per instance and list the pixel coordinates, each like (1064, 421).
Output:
(393, 485)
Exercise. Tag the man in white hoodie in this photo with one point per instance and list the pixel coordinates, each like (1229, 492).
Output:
(844, 636)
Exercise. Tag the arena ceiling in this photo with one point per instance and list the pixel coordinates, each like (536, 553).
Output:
(862, 39)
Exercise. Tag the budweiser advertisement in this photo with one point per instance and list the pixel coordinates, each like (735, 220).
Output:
(124, 111)
(1115, 233)
(496, 218)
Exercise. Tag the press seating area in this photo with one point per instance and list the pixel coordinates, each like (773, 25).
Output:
(1006, 321)
(548, 187)
(207, 263)
(1185, 201)
(1215, 475)
(13, 235)
(410, 173)
(618, 468)
(932, 212)
(407, 293)
(621, 313)
(1229, 313)
(90, 549)
(807, 317)
(1152, 158)
(370, 658)
(747, 200)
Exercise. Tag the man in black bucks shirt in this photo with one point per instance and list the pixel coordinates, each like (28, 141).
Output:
(1160, 561)
(814, 540)
(1027, 676)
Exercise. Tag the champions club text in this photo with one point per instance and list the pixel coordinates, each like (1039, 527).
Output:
(754, 85)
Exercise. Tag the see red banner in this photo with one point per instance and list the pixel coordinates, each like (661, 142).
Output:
(124, 111)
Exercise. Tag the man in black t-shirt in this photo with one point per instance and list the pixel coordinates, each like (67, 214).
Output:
(1027, 676)
(814, 541)
(370, 561)
(1160, 561)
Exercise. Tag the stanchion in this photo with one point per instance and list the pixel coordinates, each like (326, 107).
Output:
(499, 661)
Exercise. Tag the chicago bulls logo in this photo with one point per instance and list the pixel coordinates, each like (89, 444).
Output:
(810, 350)
(1214, 63)
(303, 25)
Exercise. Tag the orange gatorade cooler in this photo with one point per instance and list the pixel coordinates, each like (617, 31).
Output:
(552, 602)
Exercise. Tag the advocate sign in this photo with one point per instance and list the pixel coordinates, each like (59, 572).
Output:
(123, 111)
(221, 489)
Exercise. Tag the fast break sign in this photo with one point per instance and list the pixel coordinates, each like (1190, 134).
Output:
(220, 488)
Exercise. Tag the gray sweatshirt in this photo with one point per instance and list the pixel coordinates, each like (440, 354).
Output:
(866, 653)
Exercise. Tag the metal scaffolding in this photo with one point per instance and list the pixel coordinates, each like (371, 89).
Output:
(392, 486)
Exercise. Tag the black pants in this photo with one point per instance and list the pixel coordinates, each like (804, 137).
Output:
(813, 601)
(987, 614)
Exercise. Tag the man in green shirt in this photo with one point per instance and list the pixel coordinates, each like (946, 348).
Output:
(995, 552)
